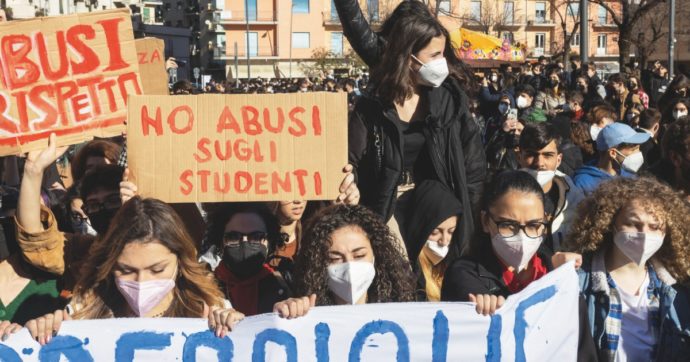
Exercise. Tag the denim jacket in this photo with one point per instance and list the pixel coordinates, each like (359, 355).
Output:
(673, 343)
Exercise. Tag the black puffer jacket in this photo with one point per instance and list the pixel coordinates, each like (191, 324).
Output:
(365, 42)
(453, 143)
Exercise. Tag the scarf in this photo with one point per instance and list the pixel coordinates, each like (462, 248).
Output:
(243, 293)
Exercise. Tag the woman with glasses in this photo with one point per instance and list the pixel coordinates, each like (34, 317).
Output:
(508, 254)
(634, 236)
(242, 238)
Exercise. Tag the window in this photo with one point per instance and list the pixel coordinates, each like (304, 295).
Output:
(373, 9)
(300, 6)
(251, 10)
(334, 12)
(300, 40)
(146, 16)
(509, 12)
(539, 40)
(476, 10)
(444, 6)
(601, 44)
(540, 12)
(602, 15)
(573, 10)
(253, 41)
(337, 43)
(575, 40)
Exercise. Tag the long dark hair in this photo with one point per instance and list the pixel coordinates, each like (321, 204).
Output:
(394, 281)
(144, 221)
(502, 183)
(407, 34)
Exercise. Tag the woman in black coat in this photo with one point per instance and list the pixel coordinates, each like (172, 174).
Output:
(414, 124)
(509, 253)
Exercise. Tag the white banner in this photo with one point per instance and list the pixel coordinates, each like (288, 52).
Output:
(538, 324)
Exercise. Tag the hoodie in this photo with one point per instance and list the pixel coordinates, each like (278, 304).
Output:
(589, 177)
(433, 204)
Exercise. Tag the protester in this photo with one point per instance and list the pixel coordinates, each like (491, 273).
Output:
(618, 146)
(552, 98)
(635, 87)
(509, 254)
(93, 153)
(621, 99)
(676, 109)
(678, 88)
(674, 167)
(348, 256)
(243, 238)
(596, 86)
(524, 99)
(649, 122)
(598, 118)
(540, 156)
(145, 266)
(435, 219)
(634, 234)
(289, 215)
(417, 93)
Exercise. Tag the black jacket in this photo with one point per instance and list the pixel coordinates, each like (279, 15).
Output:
(365, 42)
(453, 143)
(483, 275)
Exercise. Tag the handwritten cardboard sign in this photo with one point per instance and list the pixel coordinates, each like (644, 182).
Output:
(238, 147)
(69, 74)
(538, 324)
(151, 58)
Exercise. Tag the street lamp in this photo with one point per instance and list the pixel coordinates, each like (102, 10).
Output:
(246, 17)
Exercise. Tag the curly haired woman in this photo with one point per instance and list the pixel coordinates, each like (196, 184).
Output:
(348, 256)
(634, 236)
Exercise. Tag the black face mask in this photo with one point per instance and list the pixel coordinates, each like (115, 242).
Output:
(246, 259)
(552, 83)
(100, 221)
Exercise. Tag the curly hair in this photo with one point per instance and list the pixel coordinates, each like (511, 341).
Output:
(592, 229)
(394, 281)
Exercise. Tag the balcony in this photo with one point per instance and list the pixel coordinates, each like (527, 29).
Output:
(228, 17)
(540, 22)
(513, 23)
(604, 24)
(330, 19)
(221, 53)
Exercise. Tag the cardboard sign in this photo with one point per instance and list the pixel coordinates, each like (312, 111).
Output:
(151, 57)
(238, 147)
(70, 75)
(538, 324)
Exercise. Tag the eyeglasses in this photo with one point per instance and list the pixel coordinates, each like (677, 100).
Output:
(77, 218)
(533, 229)
(233, 238)
(113, 201)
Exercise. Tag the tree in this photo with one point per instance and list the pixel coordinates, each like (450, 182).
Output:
(321, 63)
(491, 18)
(652, 28)
(568, 18)
(631, 13)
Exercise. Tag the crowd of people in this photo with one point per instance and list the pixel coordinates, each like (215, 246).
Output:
(460, 186)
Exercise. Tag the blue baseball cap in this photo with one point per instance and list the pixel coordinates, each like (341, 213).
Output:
(617, 133)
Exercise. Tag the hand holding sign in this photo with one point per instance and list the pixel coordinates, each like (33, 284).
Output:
(349, 192)
(43, 329)
(38, 161)
(223, 320)
(487, 304)
(295, 307)
(7, 328)
(127, 188)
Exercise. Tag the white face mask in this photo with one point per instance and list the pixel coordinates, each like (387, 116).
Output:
(678, 114)
(436, 252)
(516, 251)
(522, 102)
(434, 72)
(638, 247)
(632, 163)
(351, 280)
(594, 131)
(542, 176)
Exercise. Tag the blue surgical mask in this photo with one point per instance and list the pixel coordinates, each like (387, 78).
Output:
(503, 108)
